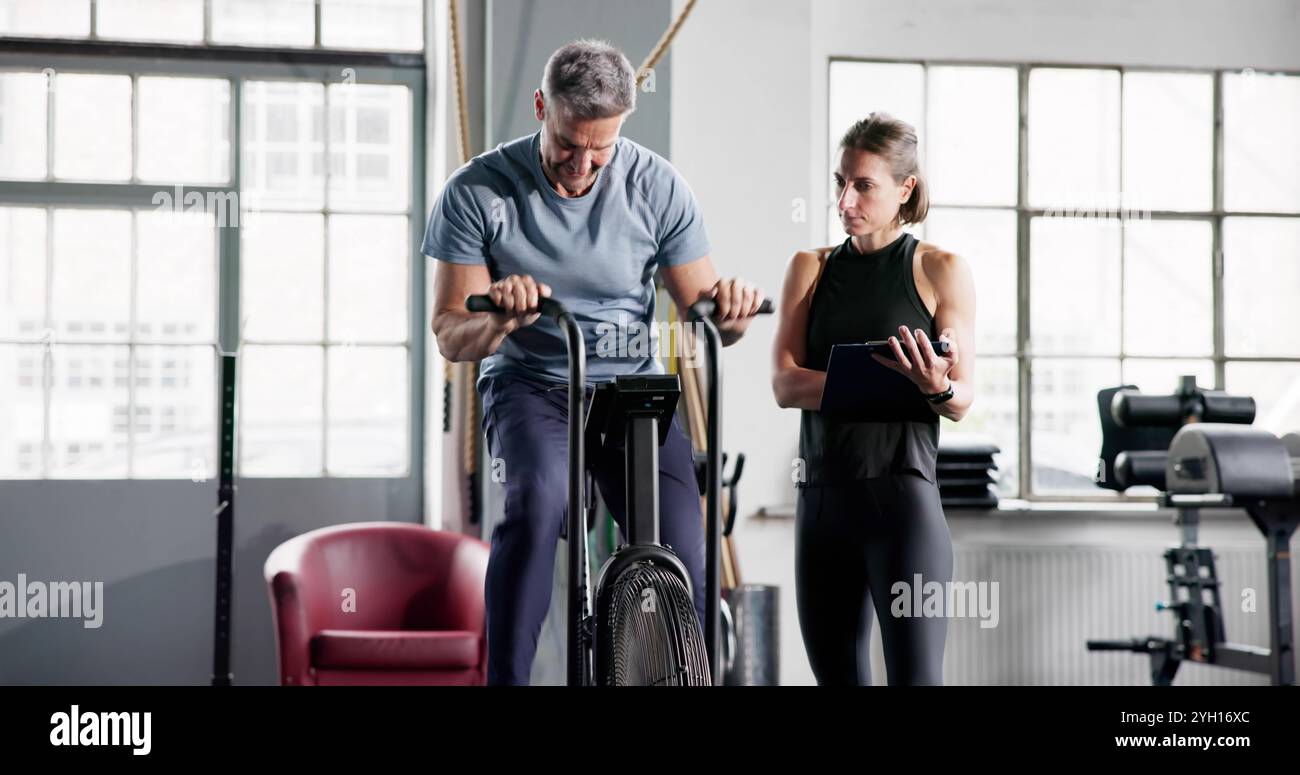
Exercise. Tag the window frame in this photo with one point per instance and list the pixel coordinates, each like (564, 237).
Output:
(235, 65)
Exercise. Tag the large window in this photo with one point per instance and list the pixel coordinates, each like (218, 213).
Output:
(156, 210)
(1124, 227)
(325, 295)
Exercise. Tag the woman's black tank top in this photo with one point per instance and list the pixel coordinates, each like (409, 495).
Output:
(862, 297)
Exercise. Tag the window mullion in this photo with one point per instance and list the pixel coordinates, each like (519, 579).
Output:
(132, 411)
(1022, 287)
(1121, 209)
(51, 85)
(135, 131)
(1216, 238)
(317, 43)
(326, 124)
(229, 233)
(47, 349)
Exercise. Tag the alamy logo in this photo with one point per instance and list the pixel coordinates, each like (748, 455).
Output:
(53, 600)
(957, 599)
(96, 728)
(631, 338)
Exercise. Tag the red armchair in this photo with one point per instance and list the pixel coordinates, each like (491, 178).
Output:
(379, 603)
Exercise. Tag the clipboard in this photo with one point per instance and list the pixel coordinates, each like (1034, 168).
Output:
(859, 389)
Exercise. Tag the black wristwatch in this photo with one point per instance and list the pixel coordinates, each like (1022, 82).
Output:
(939, 398)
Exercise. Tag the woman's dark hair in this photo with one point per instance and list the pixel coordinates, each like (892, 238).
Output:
(894, 141)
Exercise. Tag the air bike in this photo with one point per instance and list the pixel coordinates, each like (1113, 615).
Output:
(644, 630)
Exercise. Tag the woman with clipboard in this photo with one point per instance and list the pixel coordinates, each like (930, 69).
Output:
(869, 521)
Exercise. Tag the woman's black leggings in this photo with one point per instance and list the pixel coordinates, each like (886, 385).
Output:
(853, 542)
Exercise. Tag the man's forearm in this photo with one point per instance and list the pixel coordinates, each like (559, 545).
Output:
(463, 336)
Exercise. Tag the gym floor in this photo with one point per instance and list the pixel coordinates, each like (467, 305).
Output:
(185, 178)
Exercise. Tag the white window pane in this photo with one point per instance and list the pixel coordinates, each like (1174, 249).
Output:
(1261, 286)
(973, 138)
(87, 438)
(91, 298)
(370, 147)
(1261, 153)
(372, 24)
(1066, 429)
(22, 273)
(282, 272)
(1074, 298)
(987, 240)
(368, 278)
(1160, 376)
(22, 411)
(1168, 141)
(264, 22)
(45, 18)
(995, 416)
(1168, 298)
(184, 130)
(22, 125)
(367, 411)
(165, 20)
(858, 89)
(92, 127)
(281, 408)
(176, 275)
(1073, 138)
(1276, 390)
(284, 145)
(175, 413)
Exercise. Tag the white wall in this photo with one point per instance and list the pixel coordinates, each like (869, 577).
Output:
(749, 134)
(740, 135)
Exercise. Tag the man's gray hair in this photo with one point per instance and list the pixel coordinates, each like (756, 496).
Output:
(591, 80)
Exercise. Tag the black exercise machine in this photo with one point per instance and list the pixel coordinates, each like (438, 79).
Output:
(1214, 459)
(644, 630)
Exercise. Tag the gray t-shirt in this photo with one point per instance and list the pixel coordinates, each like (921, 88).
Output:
(597, 252)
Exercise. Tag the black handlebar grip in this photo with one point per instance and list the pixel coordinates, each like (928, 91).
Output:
(706, 307)
(483, 303)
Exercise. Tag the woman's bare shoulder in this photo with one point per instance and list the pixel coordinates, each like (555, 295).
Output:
(805, 266)
(803, 271)
(811, 256)
(936, 261)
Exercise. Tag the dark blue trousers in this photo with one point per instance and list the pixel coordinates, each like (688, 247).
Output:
(526, 427)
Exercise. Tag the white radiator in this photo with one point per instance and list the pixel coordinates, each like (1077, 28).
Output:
(1054, 598)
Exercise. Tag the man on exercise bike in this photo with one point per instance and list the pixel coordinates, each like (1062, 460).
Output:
(579, 213)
